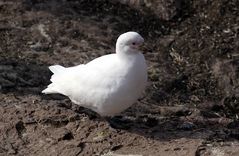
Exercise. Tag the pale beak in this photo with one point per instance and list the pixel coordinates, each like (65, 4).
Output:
(141, 47)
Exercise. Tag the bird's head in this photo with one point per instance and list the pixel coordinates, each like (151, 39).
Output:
(129, 43)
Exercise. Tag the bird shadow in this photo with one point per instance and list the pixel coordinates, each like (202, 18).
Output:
(165, 128)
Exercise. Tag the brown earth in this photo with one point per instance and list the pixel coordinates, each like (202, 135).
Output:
(190, 107)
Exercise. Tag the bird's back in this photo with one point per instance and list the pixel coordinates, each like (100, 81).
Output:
(106, 85)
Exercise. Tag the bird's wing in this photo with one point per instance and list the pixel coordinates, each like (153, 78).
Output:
(85, 83)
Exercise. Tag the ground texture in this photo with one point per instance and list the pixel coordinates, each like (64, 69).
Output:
(191, 104)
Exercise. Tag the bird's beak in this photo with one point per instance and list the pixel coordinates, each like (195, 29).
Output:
(141, 47)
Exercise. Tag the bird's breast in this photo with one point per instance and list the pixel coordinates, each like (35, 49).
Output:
(128, 80)
(133, 78)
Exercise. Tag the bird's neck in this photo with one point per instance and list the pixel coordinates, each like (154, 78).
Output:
(125, 52)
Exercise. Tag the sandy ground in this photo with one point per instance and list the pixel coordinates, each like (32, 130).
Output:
(191, 103)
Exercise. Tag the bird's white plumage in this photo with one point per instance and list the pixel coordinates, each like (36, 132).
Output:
(109, 84)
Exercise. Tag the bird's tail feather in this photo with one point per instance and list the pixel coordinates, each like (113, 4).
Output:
(49, 91)
(57, 70)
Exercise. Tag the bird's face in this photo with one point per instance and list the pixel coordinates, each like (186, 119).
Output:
(129, 42)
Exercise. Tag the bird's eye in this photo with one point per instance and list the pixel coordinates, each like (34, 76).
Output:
(133, 43)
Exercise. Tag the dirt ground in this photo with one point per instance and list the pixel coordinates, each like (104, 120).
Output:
(190, 107)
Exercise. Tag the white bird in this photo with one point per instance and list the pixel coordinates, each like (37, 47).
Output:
(107, 85)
